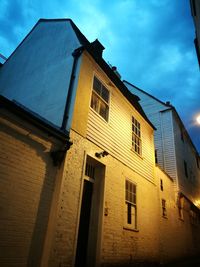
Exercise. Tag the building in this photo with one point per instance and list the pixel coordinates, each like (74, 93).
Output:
(108, 207)
(29, 173)
(195, 9)
(174, 149)
(175, 153)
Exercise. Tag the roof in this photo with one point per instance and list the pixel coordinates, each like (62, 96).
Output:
(89, 47)
(168, 107)
(33, 118)
(133, 99)
(163, 103)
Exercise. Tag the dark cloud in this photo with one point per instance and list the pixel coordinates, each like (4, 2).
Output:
(13, 19)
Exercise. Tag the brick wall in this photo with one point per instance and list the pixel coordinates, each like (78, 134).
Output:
(156, 239)
(118, 245)
(27, 179)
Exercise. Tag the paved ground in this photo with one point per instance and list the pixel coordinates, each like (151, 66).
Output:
(186, 263)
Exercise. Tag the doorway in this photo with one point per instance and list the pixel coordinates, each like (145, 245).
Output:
(91, 215)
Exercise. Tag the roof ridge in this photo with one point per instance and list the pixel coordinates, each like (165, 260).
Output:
(167, 105)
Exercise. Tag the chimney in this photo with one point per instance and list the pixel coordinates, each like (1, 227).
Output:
(97, 48)
(168, 103)
(116, 72)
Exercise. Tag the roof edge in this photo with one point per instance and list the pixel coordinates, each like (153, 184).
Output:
(34, 118)
(167, 105)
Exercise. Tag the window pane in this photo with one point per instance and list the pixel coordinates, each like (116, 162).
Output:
(127, 185)
(134, 199)
(105, 94)
(103, 110)
(129, 213)
(94, 102)
(97, 85)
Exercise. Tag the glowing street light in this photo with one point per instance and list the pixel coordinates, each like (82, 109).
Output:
(198, 119)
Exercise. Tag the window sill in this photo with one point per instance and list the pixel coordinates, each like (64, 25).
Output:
(165, 217)
(99, 116)
(130, 229)
(140, 156)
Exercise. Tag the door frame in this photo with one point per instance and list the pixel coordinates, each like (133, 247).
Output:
(101, 209)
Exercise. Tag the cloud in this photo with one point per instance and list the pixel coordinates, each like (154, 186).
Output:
(151, 42)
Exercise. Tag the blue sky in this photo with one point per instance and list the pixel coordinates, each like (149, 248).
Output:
(150, 42)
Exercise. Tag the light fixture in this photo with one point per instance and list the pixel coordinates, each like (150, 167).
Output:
(101, 154)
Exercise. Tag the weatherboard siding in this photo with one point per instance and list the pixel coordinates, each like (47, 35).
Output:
(190, 185)
(115, 136)
(168, 143)
(161, 116)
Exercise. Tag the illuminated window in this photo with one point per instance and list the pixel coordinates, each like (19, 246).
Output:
(130, 203)
(100, 99)
(136, 136)
(164, 208)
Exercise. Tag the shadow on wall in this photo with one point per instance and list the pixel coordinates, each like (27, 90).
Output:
(35, 181)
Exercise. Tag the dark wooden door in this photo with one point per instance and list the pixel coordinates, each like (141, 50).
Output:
(82, 243)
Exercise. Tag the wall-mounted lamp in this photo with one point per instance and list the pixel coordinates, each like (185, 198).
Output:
(101, 154)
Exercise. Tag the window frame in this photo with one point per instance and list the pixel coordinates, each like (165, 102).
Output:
(100, 99)
(130, 207)
(136, 147)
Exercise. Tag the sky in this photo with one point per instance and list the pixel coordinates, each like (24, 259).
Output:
(150, 42)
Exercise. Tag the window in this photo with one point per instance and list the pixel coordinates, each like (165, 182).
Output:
(90, 170)
(164, 209)
(193, 8)
(100, 99)
(161, 184)
(130, 203)
(197, 49)
(197, 161)
(185, 169)
(156, 156)
(136, 136)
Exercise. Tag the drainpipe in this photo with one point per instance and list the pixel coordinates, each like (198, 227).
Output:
(77, 52)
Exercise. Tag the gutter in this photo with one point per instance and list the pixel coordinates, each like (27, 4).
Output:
(33, 118)
(76, 54)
